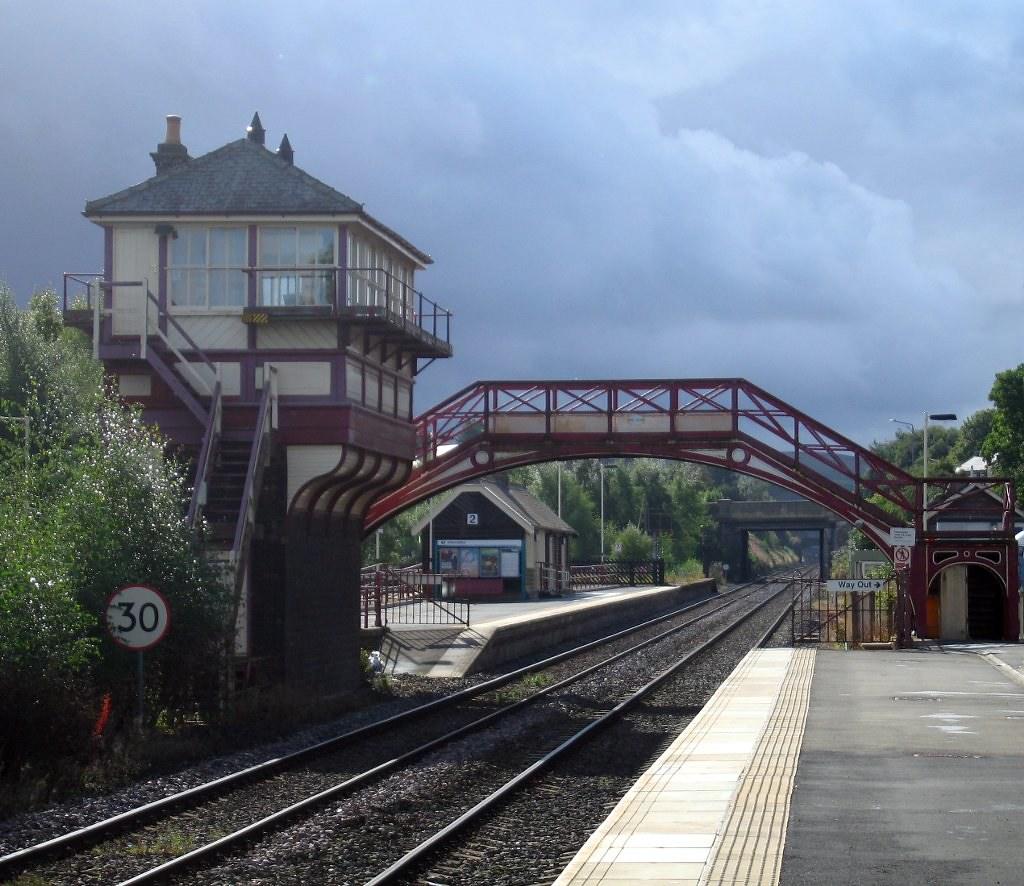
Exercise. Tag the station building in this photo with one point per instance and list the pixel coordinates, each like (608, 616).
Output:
(496, 539)
(966, 598)
(271, 328)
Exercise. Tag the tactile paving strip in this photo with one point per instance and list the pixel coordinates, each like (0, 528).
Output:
(749, 850)
(713, 808)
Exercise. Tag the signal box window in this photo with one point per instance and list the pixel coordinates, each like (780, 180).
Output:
(207, 267)
(297, 266)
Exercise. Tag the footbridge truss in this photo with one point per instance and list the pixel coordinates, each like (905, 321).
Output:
(730, 423)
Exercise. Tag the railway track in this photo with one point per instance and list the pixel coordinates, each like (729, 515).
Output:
(470, 849)
(195, 825)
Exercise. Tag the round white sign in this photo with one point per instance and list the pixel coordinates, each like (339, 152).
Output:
(901, 556)
(137, 617)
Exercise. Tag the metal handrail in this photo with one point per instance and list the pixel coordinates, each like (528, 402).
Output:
(86, 279)
(204, 465)
(394, 295)
(163, 313)
(383, 588)
(198, 382)
(266, 423)
(562, 578)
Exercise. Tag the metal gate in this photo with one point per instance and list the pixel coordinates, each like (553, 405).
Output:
(842, 618)
(409, 596)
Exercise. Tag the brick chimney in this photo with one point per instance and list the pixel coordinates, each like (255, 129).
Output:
(170, 153)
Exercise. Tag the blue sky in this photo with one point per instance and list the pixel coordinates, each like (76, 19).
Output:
(823, 198)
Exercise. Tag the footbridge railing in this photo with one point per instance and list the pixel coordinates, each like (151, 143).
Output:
(727, 422)
(731, 423)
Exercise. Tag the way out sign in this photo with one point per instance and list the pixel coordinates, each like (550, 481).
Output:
(137, 617)
(854, 585)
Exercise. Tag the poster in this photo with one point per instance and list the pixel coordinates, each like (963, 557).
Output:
(469, 562)
(490, 563)
(510, 564)
(447, 560)
(479, 558)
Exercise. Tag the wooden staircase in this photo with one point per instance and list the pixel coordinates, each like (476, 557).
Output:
(226, 488)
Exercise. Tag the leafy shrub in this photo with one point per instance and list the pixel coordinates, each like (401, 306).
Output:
(98, 506)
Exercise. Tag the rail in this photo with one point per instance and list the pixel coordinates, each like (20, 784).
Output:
(617, 573)
(266, 424)
(82, 299)
(404, 867)
(409, 596)
(364, 291)
(355, 291)
(554, 579)
(207, 452)
(16, 862)
(199, 383)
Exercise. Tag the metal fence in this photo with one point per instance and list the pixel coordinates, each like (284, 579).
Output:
(617, 573)
(823, 616)
(409, 596)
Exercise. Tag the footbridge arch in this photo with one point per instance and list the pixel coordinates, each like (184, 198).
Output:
(491, 426)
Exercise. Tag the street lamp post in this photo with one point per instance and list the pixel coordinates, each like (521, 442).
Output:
(559, 490)
(600, 466)
(930, 416)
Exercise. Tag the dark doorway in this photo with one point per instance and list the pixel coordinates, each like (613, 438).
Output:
(984, 604)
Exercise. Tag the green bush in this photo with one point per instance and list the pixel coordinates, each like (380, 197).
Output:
(97, 507)
(632, 543)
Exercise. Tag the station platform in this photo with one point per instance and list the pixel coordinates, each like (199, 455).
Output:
(829, 767)
(503, 632)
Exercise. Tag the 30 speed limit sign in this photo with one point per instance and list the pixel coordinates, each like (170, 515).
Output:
(901, 556)
(137, 617)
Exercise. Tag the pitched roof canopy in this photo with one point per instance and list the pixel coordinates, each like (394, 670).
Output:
(516, 501)
(241, 178)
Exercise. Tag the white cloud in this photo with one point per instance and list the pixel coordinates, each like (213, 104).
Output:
(823, 198)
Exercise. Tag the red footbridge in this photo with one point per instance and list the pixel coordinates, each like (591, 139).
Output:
(491, 426)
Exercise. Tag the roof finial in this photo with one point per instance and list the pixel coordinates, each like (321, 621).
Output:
(285, 152)
(256, 132)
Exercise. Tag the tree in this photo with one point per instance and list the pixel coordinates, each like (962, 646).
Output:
(578, 510)
(398, 546)
(1004, 443)
(631, 543)
(973, 432)
(906, 450)
(98, 506)
(689, 517)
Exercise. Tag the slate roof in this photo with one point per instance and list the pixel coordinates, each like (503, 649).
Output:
(240, 178)
(539, 513)
(517, 501)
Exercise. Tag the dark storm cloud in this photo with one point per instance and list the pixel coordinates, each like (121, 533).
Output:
(824, 201)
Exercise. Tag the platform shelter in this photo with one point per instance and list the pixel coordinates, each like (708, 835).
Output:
(495, 538)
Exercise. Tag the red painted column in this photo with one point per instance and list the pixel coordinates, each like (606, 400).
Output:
(917, 587)
(1012, 620)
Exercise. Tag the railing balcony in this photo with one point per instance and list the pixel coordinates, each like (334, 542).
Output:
(366, 296)
(361, 295)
